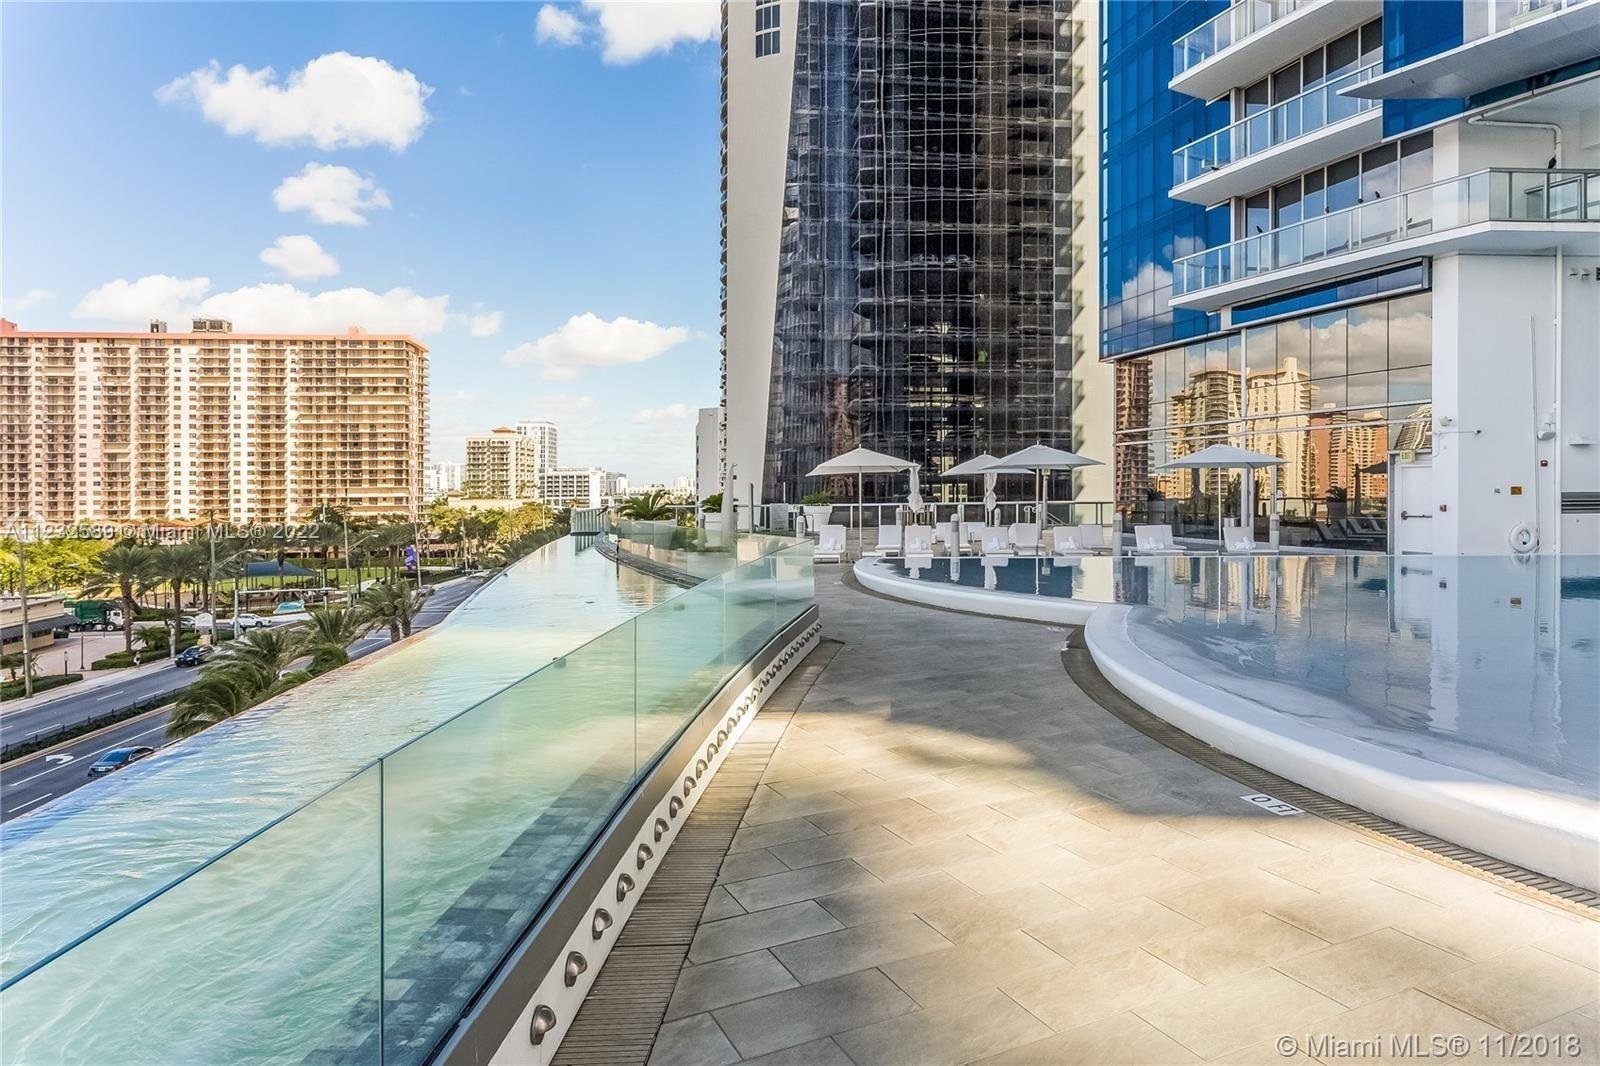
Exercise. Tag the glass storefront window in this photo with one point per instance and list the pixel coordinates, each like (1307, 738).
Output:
(1368, 335)
(1328, 345)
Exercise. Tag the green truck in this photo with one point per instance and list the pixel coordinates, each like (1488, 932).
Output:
(94, 614)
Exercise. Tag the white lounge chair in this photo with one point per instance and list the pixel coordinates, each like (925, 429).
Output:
(1239, 540)
(1093, 538)
(888, 542)
(972, 534)
(919, 540)
(1025, 538)
(1155, 540)
(942, 533)
(830, 545)
(1066, 542)
(996, 544)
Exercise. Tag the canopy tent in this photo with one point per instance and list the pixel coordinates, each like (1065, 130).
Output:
(978, 464)
(1041, 459)
(1228, 457)
(860, 462)
(272, 569)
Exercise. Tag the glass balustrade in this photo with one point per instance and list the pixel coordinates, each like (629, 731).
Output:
(1566, 196)
(1486, 17)
(1229, 28)
(1306, 113)
(357, 927)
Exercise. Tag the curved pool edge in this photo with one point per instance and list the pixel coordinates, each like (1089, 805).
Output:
(1011, 605)
(1553, 836)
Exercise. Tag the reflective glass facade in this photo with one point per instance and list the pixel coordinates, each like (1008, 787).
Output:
(925, 259)
(1332, 393)
(1144, 122)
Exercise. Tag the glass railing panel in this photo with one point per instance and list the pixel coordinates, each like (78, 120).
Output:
(1227, 29)
(1306, 113)
(269, 953)
(794, 582)
(680, 663)
(748, 609)
(482, 819)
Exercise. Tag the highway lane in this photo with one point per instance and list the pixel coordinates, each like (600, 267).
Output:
(29, 784)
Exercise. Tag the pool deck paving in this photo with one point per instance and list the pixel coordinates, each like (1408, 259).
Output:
(955, 855)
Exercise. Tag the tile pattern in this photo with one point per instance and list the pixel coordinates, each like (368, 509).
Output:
(976, 862)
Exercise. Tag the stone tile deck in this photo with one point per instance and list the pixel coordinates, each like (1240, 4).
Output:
(956, 856)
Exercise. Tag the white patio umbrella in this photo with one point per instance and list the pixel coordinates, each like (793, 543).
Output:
(1041, 459)
(1228, 457)
(978, 464)
(860, 462)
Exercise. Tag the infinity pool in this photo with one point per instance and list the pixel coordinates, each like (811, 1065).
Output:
(83, 859)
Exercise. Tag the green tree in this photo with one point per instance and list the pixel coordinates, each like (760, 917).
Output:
(129, 568)
(646, 507)
(260, 657)
(218, 695)
(14, 662)
(178, 565)
(329, 636)
(390, 604)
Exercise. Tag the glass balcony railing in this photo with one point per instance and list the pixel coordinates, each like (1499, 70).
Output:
(1229, 28)
(357, 927)
(1485, 196)
(1492, 16)
(1283, 122)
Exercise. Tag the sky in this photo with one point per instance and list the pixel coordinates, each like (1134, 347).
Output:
(529, 189)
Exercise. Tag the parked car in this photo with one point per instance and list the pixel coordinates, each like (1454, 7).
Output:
(194, 655)
(245, 620)
(117, 758)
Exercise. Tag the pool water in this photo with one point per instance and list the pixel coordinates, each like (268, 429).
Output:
(83, 859)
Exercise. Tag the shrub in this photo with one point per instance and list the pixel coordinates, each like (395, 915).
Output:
(12, 690)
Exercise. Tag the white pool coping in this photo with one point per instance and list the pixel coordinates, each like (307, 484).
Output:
(955, 597)
(1553, 835)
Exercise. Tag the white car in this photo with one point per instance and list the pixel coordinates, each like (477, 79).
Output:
(245, 620)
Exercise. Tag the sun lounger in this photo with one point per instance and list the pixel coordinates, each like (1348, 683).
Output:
(919, 540)
(830, 545)
(1093, 538)
(972, 534)
(1237, 540)
(1066, 543)
(997, 544)
(1154, 540)
(1025, 538)
(888, 542)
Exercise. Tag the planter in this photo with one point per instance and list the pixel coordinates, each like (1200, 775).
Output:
(817, 516)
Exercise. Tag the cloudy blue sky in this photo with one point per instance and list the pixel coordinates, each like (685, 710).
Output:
(531, 189)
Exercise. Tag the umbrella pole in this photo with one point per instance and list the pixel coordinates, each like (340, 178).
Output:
(861, 512)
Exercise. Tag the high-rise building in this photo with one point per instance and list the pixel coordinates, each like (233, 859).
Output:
(502, 464)
(616, 485)
(574, 487)
(441, 479)
(707, 452)
(899, 209)
(1382, 234)
(544, 436)
(209, 424)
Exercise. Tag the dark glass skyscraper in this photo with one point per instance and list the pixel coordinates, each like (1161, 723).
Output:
(925, 255)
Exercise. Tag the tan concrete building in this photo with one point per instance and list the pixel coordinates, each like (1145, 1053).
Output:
(502, 464)
(211, 423)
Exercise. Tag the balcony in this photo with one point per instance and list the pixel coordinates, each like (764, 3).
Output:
(1505, 41)
(1488, 211)
(1255, 37)
(1288, 138)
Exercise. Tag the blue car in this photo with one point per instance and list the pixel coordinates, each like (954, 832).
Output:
(117, 758)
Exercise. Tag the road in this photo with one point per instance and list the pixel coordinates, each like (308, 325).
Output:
(26, 785)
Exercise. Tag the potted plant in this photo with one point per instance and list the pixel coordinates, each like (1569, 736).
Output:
(818, 507)
(1338, 502)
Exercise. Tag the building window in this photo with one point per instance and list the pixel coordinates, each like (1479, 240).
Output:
(766, 28)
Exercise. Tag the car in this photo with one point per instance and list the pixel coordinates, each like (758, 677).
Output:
(246, 620)
(194, 655)
(117, 758)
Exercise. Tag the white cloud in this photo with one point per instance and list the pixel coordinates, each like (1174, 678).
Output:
(633, 29)
(31, 298)
(588, 340)
(556, 25)
(268, 308)
(135, 303)
(335, 101)
(485, 324)
(331, 194)
(673, 412)
(300, 256)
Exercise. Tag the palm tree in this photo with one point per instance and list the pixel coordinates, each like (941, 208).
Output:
(178, 565)
(331, 633)
(646, 507)
(218, 695)
(128, 567)
(260, 657)
(389, 604)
